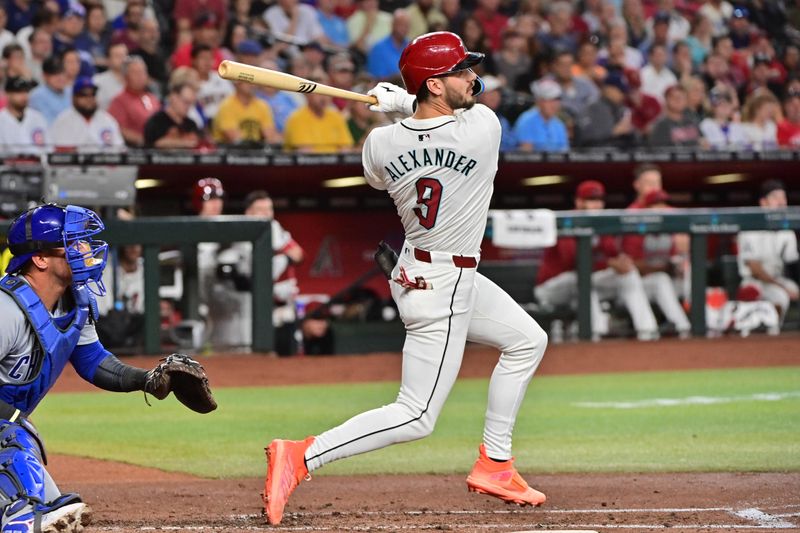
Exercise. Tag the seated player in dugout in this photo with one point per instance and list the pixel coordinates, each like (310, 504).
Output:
(438, 166)
(47, 301)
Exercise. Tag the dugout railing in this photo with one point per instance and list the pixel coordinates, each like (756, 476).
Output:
(154, 233)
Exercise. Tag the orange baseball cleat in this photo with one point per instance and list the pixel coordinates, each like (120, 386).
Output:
(501, 480)
(286, 468)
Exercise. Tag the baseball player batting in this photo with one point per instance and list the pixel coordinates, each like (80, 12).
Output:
(48, 309)
(438, 166)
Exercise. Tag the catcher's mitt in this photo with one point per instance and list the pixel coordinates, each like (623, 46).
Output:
(185, 377)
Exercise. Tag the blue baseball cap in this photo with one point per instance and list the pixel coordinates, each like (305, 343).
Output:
(82, 83)
(616, 78)
(75, 9)
(249, 48)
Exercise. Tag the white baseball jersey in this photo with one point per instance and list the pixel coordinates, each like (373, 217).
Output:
(72, 129)
(772, 248)
(27, 135)
(211, 94)
(440, 174)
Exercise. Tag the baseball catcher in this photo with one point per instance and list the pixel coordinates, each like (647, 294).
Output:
(47, 301)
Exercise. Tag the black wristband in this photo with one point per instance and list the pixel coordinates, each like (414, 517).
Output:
(115, 376)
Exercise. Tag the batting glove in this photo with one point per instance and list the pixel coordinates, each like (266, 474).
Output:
(392, 99)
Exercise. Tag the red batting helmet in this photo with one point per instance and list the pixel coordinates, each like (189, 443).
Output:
(206, 189)
(434, 54)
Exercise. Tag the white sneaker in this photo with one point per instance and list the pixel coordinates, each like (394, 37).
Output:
(68, 519)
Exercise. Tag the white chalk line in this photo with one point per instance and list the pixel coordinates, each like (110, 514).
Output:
(690, 400)
(483, 526)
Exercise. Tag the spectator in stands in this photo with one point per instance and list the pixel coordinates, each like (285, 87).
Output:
(791, 60)
(717, 12)
(14, 59)
(763, 255)
(734, 69)
(614, 275)
(244, 119)
(607, 121)
(492, 97)
(659, 35)
(660, 258)
(333, 26)
(111, 82)
(558, 37)
(84, 126)
(678, 25)
(295, 19)
(368, 25)
(456, 17)
(487, 13)
(384, 57)
(789, 128)
(635, 22)
(74, 65)
(41, 46)
(681, 63)
(54, 95)
(760, 116)
(676, 128)
(740, 30)
(171, 127)
(126, 26)
(539, 129)
(22, 129)
(719, 129)
(424, 15)
(763, 77)
(361, 120)
(645, 109)
(656, 76)
(70, 27)
(135, 104)
(186, 10)
(696, 98)
(318, 126)
(6, 37)
(512, 61)
(342, 73)
(46, 19)
(577, 92)
(213, 89)
(586, 64)
(618, 52)
(280, 102)
(96, 37)
(475, 39)
(205, 30)
(700, 40)
(20, 14)
(148, 49)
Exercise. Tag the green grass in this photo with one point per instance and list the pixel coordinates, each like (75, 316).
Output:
(552, 433)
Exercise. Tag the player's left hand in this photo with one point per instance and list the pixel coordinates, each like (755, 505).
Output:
(185, 377)
(392, 99)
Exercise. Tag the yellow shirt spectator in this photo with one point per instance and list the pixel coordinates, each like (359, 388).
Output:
(237, 121)
(4, 259)
(309, 131)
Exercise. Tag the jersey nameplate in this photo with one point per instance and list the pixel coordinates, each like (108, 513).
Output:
(425, 157)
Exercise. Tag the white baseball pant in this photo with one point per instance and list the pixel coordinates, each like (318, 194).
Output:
(607, 284)
(773, 293)
(462, 305)
(660, 289)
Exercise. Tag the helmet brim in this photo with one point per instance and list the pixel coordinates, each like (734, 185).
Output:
(472, 59)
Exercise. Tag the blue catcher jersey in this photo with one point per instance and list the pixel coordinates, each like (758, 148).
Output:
(31, 363)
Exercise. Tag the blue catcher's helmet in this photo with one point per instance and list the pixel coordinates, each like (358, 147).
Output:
(50, 226)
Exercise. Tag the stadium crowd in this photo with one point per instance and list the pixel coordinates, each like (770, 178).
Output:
(559, 74)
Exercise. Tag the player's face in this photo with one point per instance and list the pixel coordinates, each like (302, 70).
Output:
(648, 182)
(18, 100)
(775, 200)
(212, 207)
(261, 208)
(458, 89)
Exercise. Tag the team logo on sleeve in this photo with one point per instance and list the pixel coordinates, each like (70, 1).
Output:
(37, 136)
(106, 137)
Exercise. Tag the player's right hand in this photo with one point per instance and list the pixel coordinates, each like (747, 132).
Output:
(392, 99)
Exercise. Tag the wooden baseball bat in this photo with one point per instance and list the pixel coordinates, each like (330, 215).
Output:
(234, 71)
